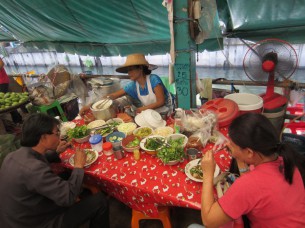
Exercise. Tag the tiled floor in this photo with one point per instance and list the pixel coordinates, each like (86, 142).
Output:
(120, 217)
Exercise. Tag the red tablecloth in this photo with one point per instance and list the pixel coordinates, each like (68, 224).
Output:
(145, 184)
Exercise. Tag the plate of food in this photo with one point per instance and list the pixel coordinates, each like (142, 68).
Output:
(194, 172)
(152, 143)
(92, 156)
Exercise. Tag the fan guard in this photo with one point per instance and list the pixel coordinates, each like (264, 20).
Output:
(287, 60)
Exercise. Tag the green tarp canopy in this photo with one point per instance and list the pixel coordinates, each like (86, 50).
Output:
(121, 27)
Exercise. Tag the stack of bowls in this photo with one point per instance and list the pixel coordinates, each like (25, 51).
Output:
(150, 118)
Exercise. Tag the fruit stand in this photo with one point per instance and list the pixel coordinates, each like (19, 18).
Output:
(11, 101)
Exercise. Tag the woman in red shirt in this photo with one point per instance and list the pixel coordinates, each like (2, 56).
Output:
(272, 194)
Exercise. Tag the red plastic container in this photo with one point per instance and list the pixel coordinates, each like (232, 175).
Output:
(225, 109)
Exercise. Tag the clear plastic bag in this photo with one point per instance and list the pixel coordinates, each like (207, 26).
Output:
(200, 124)
(198, 120)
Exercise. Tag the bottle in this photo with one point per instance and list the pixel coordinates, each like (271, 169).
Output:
(136, 154)
(107, 148)
(96, 142)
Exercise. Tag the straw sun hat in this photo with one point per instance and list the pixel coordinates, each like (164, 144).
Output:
(135, 60)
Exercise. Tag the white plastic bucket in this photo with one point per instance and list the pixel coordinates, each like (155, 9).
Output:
(247, 102)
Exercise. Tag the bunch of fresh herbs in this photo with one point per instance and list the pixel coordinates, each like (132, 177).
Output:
(173, 152)
(78, 132)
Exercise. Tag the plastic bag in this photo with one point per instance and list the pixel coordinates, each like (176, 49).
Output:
(197, 120)
(41, 94)
(200, 124)
(78, 87)
(218, 139)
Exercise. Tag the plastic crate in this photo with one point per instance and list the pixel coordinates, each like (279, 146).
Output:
(295, 128)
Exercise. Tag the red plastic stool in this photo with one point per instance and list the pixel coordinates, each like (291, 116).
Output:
(163, 215)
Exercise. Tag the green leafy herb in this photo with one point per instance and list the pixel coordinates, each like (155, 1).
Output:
(173, 152)
(78, 132)
(154, 143)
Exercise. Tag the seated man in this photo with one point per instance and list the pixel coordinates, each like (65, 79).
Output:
(31, 195)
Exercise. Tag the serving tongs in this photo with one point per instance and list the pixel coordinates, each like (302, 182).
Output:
(101, 105)
(111, 127)
(159, 141)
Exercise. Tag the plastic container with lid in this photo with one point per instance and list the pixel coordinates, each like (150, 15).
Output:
(247, 102)
(96, 142)
(107, 148)
(225, 109)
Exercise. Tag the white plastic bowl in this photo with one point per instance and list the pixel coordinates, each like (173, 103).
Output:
(127, 128)
(118, 120)
(177, 136)
(153, 118)
(82, 140)
(149, 151)
(140, 121)
(164, 131)
(95, 123)
(149, 131)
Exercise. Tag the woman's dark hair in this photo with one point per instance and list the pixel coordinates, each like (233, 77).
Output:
(35, 126)
(255, 131)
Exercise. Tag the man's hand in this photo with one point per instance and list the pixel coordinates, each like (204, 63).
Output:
(62, 146)
(79, 158)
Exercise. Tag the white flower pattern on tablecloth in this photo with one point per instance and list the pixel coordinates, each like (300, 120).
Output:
(148, 183)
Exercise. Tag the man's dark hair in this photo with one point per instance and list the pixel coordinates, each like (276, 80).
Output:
(35, 126)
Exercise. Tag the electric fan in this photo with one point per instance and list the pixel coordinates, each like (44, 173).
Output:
(268, 61)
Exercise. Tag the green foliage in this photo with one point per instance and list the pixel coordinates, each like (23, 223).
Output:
(78, 132)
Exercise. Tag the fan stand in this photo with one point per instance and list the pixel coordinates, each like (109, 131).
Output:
(271, 99)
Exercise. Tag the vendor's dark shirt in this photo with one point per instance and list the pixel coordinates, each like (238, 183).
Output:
(31, 195)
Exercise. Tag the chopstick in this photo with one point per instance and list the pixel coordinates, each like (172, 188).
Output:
(214, 152)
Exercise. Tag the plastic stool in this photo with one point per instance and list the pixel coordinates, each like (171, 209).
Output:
(46, 108)
(163, 215)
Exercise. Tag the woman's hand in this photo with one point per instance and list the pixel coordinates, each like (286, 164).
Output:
(141, 109)
(79, 158)
(208, 164)
(62, 146)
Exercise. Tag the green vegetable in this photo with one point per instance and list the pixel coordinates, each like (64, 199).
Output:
(133, 143)
(173, 152)
(78, 132)
(104, 131)
(153, 144)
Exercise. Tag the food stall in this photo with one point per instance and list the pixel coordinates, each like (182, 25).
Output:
(145, 175)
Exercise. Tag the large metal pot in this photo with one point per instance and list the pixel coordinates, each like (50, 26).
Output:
(103, 109)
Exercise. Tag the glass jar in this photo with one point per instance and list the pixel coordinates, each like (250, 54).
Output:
(118, 152)
(194, 142)
(96, 142)
(107, 148)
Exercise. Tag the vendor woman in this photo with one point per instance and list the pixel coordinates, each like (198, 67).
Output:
(146, 90)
